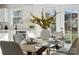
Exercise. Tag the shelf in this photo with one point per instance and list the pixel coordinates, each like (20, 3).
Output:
(12, 30)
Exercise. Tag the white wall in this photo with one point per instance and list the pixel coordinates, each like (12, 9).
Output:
(36, 10)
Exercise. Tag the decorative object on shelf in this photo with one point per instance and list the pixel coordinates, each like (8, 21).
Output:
(31, 26)
(16, 27)
(44, 21)
(6, 27)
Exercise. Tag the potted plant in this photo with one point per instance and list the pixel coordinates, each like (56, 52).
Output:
(44, 22)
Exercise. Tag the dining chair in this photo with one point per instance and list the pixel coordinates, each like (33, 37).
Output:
(10, 48)
(18, 38)
(74, 50)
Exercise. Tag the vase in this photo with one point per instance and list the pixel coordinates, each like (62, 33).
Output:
(45, 34)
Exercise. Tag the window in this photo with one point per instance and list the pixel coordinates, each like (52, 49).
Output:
(50, 12)
(71, 24)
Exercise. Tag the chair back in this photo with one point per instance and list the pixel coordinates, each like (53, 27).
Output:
(18, 38)
(74, 50)
(10, 48)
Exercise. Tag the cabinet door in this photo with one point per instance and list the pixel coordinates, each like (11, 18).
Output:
(16, 16)
(3, 15)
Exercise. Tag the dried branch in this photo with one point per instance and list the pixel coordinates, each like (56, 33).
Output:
(43, 22)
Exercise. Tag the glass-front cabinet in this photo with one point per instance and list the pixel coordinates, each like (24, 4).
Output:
(3, 15)
(16, 16)
(71, 24)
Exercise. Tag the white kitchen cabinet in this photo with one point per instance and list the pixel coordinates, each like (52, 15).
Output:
(3, 15)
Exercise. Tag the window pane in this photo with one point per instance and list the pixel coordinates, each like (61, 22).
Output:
(74, 30)
(67, 17)
(17, 13)
(74, 16)
(51, 12)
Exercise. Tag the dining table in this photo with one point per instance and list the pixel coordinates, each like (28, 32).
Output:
(32, 47)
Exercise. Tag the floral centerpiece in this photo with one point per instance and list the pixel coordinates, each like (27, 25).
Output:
(44, 21)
